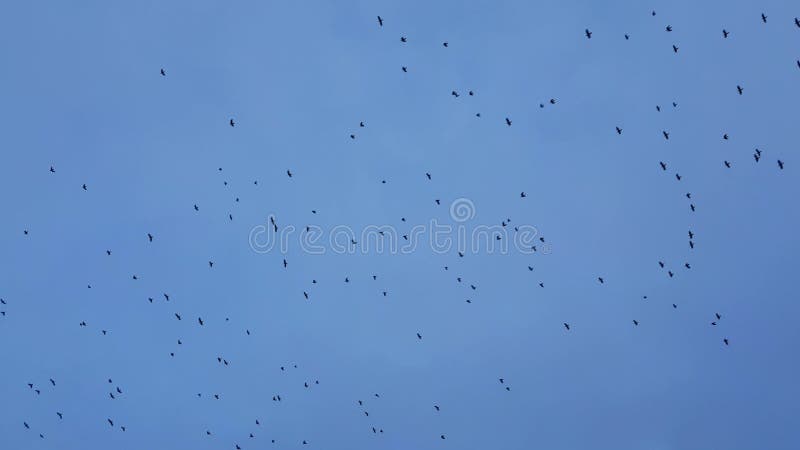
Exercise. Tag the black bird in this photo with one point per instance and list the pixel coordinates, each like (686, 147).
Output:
(691, 235)
(619, 130)
(588, 34)
(166, 296)
(508, 121)
(691, 244)
(289, 172)
(635, 322)
(678, 176)
(196, 208)
(163, 73)
(688, 195)
(52, 170)
(687, 265)
(233, 124)
(419, 336)
(405, 69)
(692, 206)
(725, 341)
(661, 264)
(108, 252)
(669, 28)
(740, 89)
(663, 165)
(60, 416)
(285, 263)
(725, 136)
(552, 101)
(150, 237)
(566, 325)
(26, 425)
(471, 93)
(402, 39)
(53, 382)
(178, 316)
(763, 18)
(305, 294)
(756, 156)
(200, 320)
(211, 264)
(445, 44)
(674, 306)
(780, 164)
(110, 422)
(454, 94)
(727, 164)
(522, 195)
(717, 316)
(725, 33)
(530, 268)
(675, 49)
(670, 273)
(436, 407)
(797, 22)
(84, 186)
(380, 21)
(600, 279)
(627, 37)
(666, 135)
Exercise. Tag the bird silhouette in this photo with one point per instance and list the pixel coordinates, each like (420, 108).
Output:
(739, 89)
(725, 33)
(508, 121)
(763, 18)
(588, 34)
(163, 73)
(232, 123)
(380, 21)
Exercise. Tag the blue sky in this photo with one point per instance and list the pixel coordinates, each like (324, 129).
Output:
(81, 92)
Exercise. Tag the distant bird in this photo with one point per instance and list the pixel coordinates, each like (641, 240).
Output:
(678, 176)
(196, 208)
(691, 235)
(661, 264)
(361, 124)
(436, 407)
(60, 416)
(692, 206)
(566, 325)
(52, 169)
(84, 187)
(232, 123)
(687, 265)
(725, 33)
(53, 382)
(739, 89)
(688, 195)
(445, 44)
(471, 93)
(627, 37)
(669, 28)
(285, 263)
(150, 237)
(675, 49)
(763, 18)
(619, 130)
(780, 164)
(402, 39)
(211, 264)
(725, 136)
(725, 341)
(522, 195)
(110, 422)
(691, 244)
(178, 316)
(305, 294)
(600, 279)
(797, 22)
(380, 21)
(405, 69)
(674, 306)
(588, 34)
(108, 252)
(200, 320)
(419, 336)
(635, 322)
(163, 73)
(727, 164)
(508, 121)
(670, 273)
(26, 425)
(666, 135)
(289, 172)
(663, 165)
(718, 316)
(454, 94)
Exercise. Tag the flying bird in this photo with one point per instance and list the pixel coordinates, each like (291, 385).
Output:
(739, 89)
(763, 18)
(232, 123)
(508, 121)
(588, 34)
(380, 21)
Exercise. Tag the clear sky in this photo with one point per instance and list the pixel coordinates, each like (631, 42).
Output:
(80, 90)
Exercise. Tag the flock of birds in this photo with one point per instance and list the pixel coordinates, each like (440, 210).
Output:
(115, 391)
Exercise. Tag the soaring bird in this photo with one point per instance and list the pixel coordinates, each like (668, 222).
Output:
(52, 381)
(402, 39)
(663, 165)
(763, 18)
(522, 195)
(661, 264)
(627, 37)
(380, 21)
(588, 34)
(718, 316)
(405, 69)
(739, 89)
(780, 164)
(635, 322)
(454, 94)
(232, 123)
(163, 73)
(678, 176)
(725, 33)
(619, 130)
(725, 341)
(727, 164)
(26, 425)
(600, 279)
(445, 44)
(52, 169)
(60, 416)
(675, 49)
(150, 237)
(110, 422)
(211, 264)
(666, 135)
(687, 265)
(566, 325)
(178, 316)
(669, 28)
(797, 22)
(84, 186)
(289, 172)
(200, 320)
(508, 121)
(419, 336)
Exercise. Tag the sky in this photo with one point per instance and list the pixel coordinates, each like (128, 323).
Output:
(82, 93)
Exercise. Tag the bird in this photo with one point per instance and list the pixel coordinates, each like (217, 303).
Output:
(588, 34)
(566, 325)
(763, 18)
(289, 172)
(200, 320)
(232, 123)
(163, 73)
(635, 322)
(727, 164)
(780, 164)
(110, 422)
(691, 235)
(726, 341)
(150, 237)
(508, 121)
(739, 89)
(669, 28)
(675, 49)
(178, 316)
(454, 94)
(718, 316)
(725, 33)
(600, 279)
(84, 186)
(627, 37)
(725, 136)
(687, 265)
(436, 407)
(52, 381)
(670, 273)
(419, 336)
(211, 264)
(692, 206)
(405, 69)
(196, 208)
(666, 135)
(678, 176)
(60, 416)
(663, 165)
(52, 169)
(285, 263)
(691, 244)
(797, 22)
(661, 264)
(522, 195)
(380, 21)
(445, 44)
(402, 39)
(619, 130)
(26, 425)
